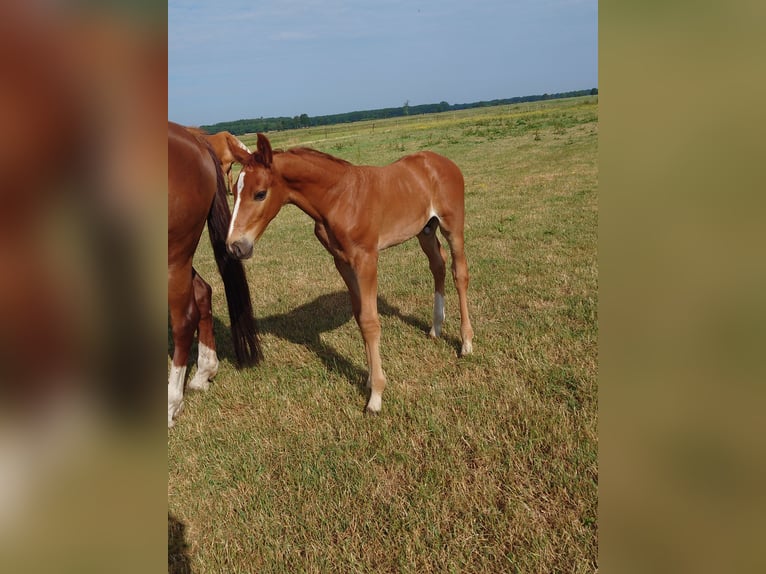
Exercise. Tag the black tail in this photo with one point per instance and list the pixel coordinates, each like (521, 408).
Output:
(244, 330)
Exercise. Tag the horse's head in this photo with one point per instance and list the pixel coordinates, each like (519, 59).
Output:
(256, 203)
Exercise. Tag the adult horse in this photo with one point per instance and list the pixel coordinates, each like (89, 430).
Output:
(197, 193)
(358, 211)
(221, 143)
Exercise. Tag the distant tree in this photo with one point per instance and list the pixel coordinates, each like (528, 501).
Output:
(243, 126)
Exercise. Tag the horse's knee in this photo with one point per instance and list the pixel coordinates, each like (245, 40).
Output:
(369, 324)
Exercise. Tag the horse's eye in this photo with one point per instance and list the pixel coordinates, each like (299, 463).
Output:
(260, 196)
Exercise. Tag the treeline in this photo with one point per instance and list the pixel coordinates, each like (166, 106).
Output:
(240, 127)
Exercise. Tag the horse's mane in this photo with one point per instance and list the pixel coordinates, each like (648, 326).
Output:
(307, 151)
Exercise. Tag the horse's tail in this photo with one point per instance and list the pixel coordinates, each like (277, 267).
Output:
(244, 330)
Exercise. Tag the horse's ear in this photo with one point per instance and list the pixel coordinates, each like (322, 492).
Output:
(238, 150)
(264, 148)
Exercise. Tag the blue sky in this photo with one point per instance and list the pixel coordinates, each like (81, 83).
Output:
(234, 59)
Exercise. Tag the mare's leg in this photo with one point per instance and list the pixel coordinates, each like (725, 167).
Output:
(436, 257)
(207, 359)
(366, 271)
(184, 317)
(454, 237)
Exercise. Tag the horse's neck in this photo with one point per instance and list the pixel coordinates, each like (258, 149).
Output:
(308, 179)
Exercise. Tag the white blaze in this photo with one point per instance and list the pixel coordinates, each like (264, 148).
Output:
(240, 187)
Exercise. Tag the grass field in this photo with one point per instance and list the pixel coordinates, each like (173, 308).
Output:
(482, 464)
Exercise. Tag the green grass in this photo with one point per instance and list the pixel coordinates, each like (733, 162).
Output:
(481, 464)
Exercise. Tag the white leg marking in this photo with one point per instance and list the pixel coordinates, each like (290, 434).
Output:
(439, 315)
(240, 187)
(175, 392)
(375, 402)
(467, 348)
(207, 367)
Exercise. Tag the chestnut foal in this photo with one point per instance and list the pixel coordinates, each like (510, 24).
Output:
(358, 211)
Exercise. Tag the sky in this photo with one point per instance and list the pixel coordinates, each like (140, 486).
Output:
(238, 59)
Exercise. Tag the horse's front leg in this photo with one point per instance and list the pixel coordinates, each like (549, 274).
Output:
(366, 271)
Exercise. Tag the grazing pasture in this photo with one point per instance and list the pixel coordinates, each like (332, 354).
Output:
(486, 463)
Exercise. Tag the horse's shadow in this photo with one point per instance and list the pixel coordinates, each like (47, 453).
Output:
(178, 549)
(305, 324)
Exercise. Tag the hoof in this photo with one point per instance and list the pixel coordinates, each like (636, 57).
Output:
(467, 349)
(199, 383)
(374, 404)
(173, 412)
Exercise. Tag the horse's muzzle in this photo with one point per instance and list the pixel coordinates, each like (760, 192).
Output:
(241, 249)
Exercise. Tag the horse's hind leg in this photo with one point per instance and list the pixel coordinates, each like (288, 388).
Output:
(454, 237)
(436, 258)
(184, 317)
(207, 359)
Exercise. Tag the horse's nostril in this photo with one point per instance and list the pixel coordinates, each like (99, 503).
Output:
(241, 249)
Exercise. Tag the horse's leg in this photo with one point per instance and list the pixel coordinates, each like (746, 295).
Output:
(207, 359)
(460, 276)
(366, 271)
(184, 317)
(349, 278)
(436, 257)
(229, 180)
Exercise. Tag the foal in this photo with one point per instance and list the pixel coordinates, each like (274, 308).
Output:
(358, 211)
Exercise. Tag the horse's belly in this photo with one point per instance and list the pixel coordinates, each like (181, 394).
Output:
(400, 233)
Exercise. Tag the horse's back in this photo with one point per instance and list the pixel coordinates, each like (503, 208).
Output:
(439, 177)
(411, 191)
(440, 171)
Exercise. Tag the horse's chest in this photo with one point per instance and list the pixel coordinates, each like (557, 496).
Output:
(329, 240)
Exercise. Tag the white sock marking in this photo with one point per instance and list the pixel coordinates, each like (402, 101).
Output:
(375, 402)
(439, 314)
(175, 391)
(207, 367)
